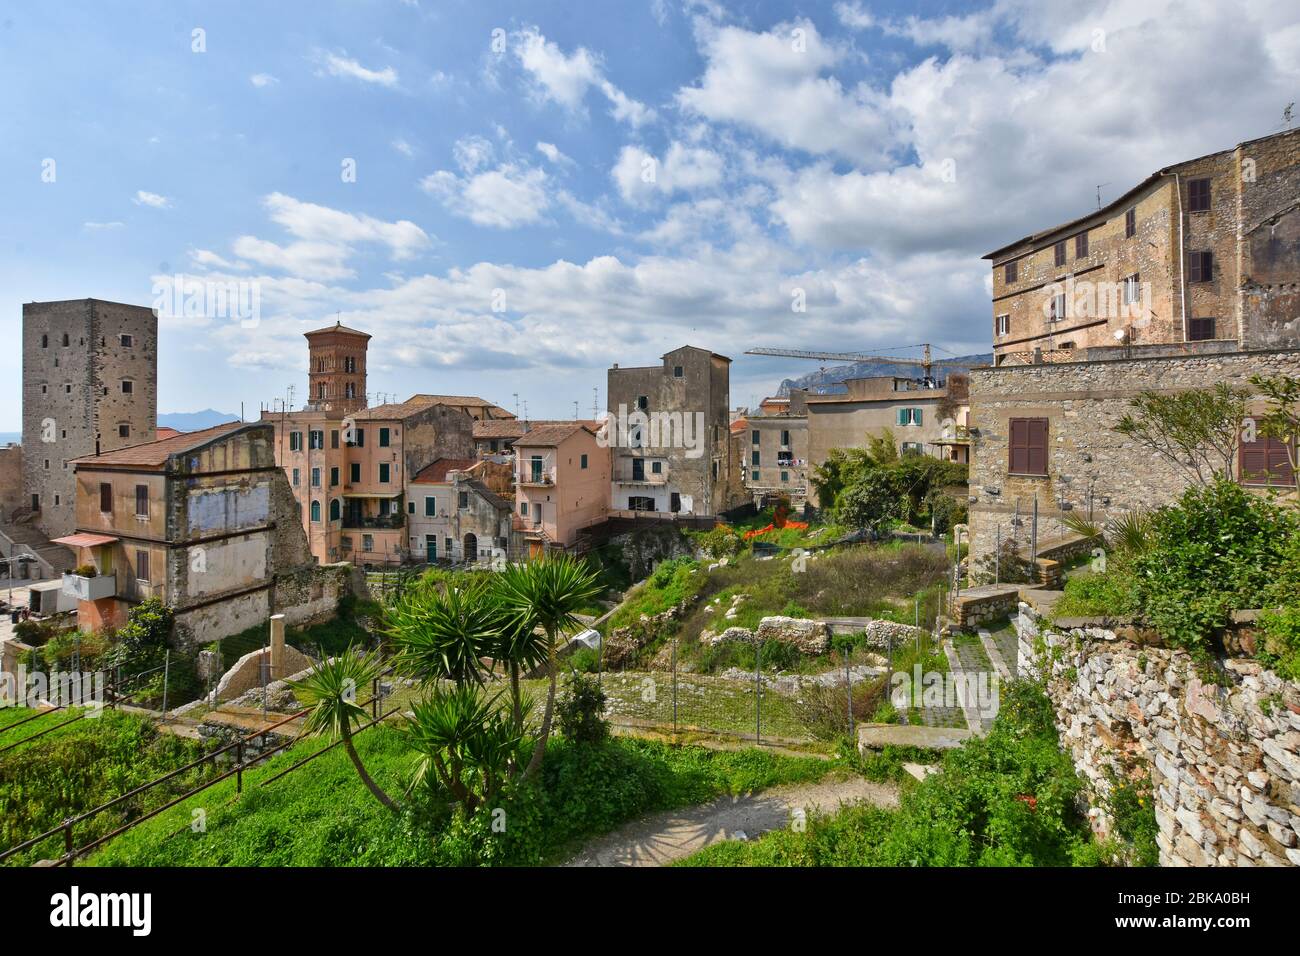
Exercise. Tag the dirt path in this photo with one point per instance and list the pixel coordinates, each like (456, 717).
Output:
(660, 838)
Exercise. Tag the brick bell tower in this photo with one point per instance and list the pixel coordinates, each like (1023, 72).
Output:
(337, 372)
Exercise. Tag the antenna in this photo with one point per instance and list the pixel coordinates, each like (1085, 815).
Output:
(575, 411)
(516, 395)
(1099, 185)
(525, 409)
(595, 403)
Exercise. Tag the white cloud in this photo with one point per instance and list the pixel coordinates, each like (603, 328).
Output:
(143, 198)
(854, 15)
(101, 226)
(338, 65)
(473, 153)
(565, 79)
(403, 238)
(261, 80)
(504, 198)
(553, 153)
(403, 147)
(639, 175)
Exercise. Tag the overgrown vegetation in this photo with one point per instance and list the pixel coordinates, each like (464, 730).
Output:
(874, 488)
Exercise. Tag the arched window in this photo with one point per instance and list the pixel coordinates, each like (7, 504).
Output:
(315, 511)
(320, 390)
(335, 510)
(351, 390)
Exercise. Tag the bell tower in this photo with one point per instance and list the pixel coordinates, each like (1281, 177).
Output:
(336, 376)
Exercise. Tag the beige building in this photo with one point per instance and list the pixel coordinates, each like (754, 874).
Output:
(90, 375)
(774, 448)
(562, 485)
(203, 521)
(454, 517)
(1201, 251)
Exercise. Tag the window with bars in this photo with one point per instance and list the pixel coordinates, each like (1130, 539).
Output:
(1028, 446)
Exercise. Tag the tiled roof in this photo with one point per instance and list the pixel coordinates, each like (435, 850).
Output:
(499, 428)
(164, 432)
(436, 473)
(548, 435)
(468, 401)
(490, 496)
(336, 327)
(154, 454)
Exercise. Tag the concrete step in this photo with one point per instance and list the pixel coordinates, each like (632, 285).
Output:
(876, 736)
(920, 770)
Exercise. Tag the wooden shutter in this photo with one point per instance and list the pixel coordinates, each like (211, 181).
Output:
(1028, 446)
(1265, 462)
(106, 498)
(1019, 462)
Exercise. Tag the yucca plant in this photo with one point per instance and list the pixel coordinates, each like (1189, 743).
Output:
(330, 694)
(1131, 532)
(1080, 525)
(545, 594)
(466, 743)
(444, 632)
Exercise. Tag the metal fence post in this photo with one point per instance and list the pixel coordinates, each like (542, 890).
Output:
(758, 692)
(374, 698)
(848, 684)
(675, 685)
(167, 670)
(67, 840)
(239, 765)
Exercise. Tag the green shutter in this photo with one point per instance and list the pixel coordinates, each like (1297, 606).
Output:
(916, 416)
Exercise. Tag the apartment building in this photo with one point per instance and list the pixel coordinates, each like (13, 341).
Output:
(90, 378)
(774, 448)
(1213, 245)
(669, 434)
(925, 416)
(204, 521)
(455, 517)
(562, 485)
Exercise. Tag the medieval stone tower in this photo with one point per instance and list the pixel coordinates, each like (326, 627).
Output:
(337, 374)
(90, 385)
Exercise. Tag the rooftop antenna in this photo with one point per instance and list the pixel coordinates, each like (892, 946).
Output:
(1099, 185)
(525, 409)
(1287, 114)
(595, 403)
(575, 411)
(516, 395)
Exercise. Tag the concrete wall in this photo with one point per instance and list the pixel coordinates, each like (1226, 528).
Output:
(1224, 762)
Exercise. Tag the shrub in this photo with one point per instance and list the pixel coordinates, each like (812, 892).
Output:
(1008, 567)
(873, 501)
(722, 542)
(1108, 594)
(142, 641)
(581, 710)
(825, 710)
(85, 571)
(945, 511)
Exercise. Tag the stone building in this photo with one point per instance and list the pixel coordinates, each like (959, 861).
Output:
(926, 416)
(669, 434)
(562, 485)
(455, 517)
(773, 453)
(1213, 245)
(204, 521)
(336, 377)
(479, 409)
(90, 385)
(1201, 251)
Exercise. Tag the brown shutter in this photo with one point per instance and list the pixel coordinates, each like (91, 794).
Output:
(106, 497)
(1019, 446)
(1036, 453)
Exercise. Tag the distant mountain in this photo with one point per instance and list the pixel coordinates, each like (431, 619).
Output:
(193, 421)
(829, 381)
(10, 438)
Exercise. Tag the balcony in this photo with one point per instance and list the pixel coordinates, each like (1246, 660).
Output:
(85, 588)
(381, 522)
(537, 478)
(626, 474)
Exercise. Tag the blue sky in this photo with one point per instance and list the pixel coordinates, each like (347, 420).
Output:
(542, 189)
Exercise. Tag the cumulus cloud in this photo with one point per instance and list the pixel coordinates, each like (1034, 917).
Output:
(640, 175)
(261, 80)
(144, 198)
(566, 78)
(505, 197)
(342, 65)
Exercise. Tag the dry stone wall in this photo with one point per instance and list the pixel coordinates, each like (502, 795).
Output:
(1224, 758)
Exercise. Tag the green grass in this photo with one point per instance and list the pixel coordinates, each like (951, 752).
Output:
(321, 815)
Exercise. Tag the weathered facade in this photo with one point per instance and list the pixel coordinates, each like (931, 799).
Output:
(204, 521)
(669, 434)
(1206, 250)
(336, 377)
(454, 517)
(562, 485)
(90, 378)
(773, 449)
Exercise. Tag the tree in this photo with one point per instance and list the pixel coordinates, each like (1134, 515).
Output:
(841, 468)
(1198, 431)
(330, 694)
(141, 642)
(873, 502)
(1282, 420)
(443, 631)
(545, 594)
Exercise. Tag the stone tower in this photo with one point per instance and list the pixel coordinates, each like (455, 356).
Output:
(337, 373)
(90, 385)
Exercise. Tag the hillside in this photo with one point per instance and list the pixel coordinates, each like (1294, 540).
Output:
(828, 381)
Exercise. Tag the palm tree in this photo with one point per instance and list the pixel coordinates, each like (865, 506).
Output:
(443, 632)
(467, 745)
(545, 594)
(330, 693)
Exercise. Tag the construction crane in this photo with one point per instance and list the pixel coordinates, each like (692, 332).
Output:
(925, 361)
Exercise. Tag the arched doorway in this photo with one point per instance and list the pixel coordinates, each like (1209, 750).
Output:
(471, 548)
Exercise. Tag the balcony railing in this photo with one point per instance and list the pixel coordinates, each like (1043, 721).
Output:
(531, 476)
(90, 589)
(382, 522)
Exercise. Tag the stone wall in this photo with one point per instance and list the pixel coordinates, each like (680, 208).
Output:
(1224, 760)
(1088, 462)
(310, 595)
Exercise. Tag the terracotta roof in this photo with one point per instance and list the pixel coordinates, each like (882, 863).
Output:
(543, 436)
(469, 401)
(336, 327)
(436, 473)
(498, 428)
(163, 432)
(154, 454)
(393, 411)
(490, 496)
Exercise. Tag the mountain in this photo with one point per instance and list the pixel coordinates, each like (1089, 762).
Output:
(829, 381)
(193, 421)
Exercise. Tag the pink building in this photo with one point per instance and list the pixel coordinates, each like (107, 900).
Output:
(561, 484)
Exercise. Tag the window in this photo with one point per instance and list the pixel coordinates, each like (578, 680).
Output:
(383, 472)
(354, 472)
(315, 512)
(47, 464)
(295, 441)
(1198, 195)
(45, 341)
(642, 402)
(336, 510)
(359, 437)
(1265, 462)
(66, 341)
(431, 506)
(316, 439)
(106, 498)
(1058, 253)
(126, 340)
(640, 503)
(1200, 267)
(785, 476)
(754, 459)
(462, 500)
(582, 462)
(1009, 272)
(295, 478)
(142, 566)
(123, 431)
(334, 477)
(315, 477)
(753, 476)
(367, 542)
(67, 389)
(1131, 288)
(1002, 324)
(523, 508)
(57, 499)
(349, 364)
(753, 437)
(410, 509)
(1130, 223)
(142, 501)
(383, 437)
(1028, 446)
(909, 416)
(1200, 329)
(678, 371)
(350, 391)
(912, 448)
(785, 438)
(128, 386)
(1058, 307)
(657, 467)
(334, 438)
(36, 502)
(1081, 246)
